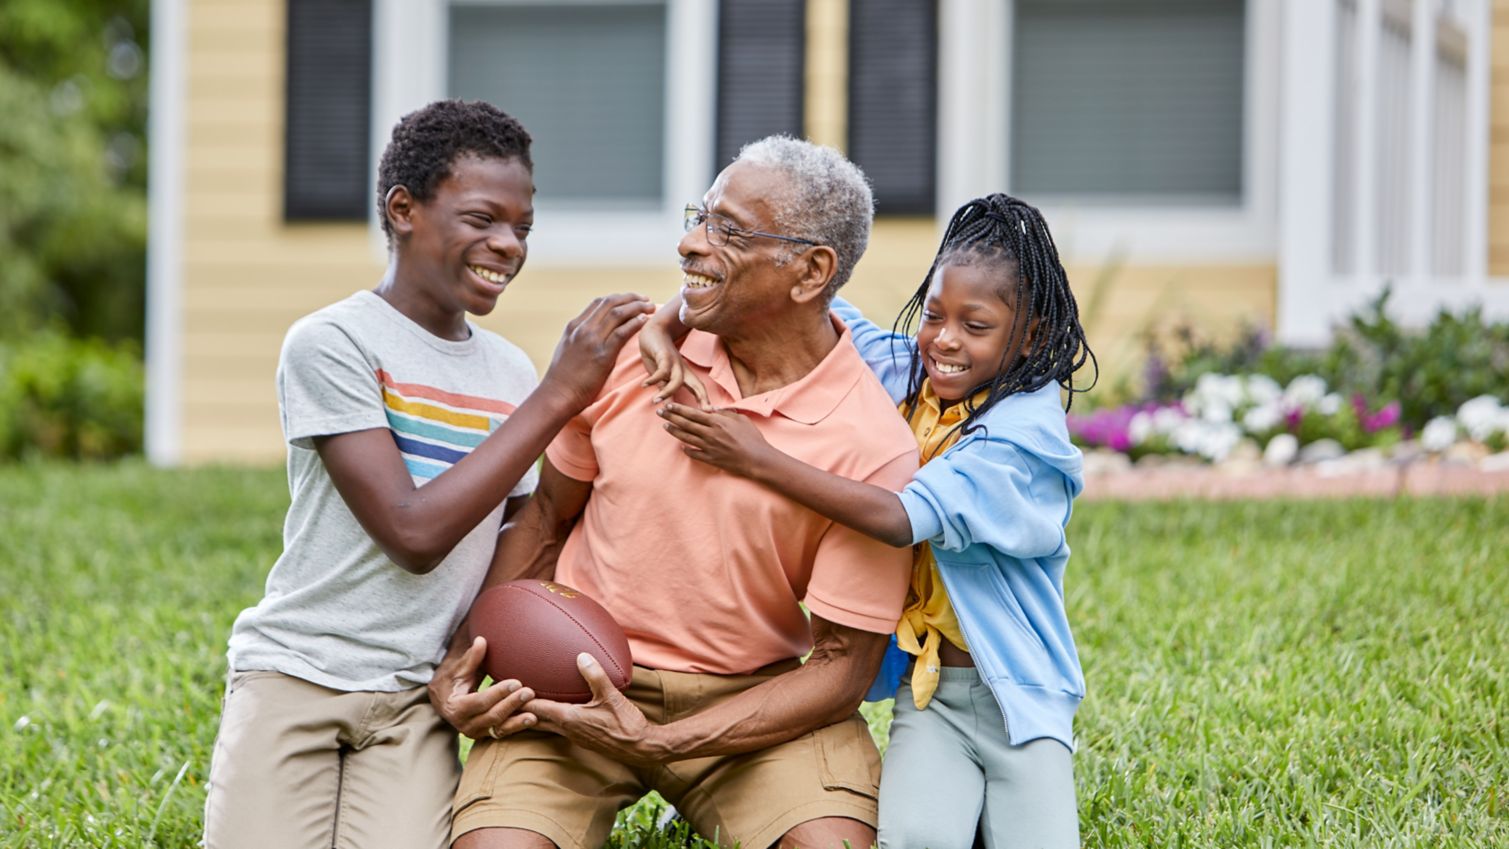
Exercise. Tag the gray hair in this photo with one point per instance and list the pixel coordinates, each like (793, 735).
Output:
(828, 199)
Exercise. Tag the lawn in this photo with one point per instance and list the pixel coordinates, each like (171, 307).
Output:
(1261, 674)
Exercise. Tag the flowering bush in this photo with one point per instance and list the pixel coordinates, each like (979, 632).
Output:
(1214, 417)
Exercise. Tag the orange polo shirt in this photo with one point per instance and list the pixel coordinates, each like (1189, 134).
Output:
(707, 571)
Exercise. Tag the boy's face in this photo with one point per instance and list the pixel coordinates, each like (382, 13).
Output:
(470, 239)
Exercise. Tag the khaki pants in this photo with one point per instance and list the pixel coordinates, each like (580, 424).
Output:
(299, 765)
(543, 783)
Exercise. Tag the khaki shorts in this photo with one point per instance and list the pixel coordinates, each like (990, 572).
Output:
(297, 764)
(543, 783)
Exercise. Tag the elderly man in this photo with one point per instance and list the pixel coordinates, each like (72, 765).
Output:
(706, 572)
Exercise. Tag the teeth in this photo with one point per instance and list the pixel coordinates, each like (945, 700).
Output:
(697, 281)
(948, 368)
(488, 275)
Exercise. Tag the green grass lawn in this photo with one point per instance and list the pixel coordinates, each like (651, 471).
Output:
(1261, 674)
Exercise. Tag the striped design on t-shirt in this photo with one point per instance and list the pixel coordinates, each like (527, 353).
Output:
(435, 428)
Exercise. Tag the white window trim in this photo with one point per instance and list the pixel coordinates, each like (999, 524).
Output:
(974, 155)
(408, 71)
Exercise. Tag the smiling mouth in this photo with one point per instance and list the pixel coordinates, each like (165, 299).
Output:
(948, 368)
(489, 275)
(697, 281)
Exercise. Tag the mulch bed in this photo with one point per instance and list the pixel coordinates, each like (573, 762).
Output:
(1424, 477)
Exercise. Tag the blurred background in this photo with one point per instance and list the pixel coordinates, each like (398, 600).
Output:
(1289, 185)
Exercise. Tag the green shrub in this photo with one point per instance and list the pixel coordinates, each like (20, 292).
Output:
(66, 397)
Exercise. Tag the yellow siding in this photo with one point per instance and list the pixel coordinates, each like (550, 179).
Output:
(246, 275)
(1498, 192)
(826, 96)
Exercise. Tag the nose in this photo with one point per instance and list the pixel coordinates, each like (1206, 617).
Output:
(503, 241)
(694, 242)
(947, 337)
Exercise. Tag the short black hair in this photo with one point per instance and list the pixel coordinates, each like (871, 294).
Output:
(1003, 233)
(429, 140)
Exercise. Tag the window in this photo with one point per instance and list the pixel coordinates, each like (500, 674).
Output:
(1128, 100)
(587, 79)
(328, 110)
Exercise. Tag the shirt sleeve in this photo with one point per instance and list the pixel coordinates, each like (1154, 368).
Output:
(887, 353)
(858, 581)
(571, 451)
(989, 492)
(325, 385)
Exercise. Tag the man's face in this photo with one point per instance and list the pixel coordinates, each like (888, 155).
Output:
(733, 289)
(469, 240)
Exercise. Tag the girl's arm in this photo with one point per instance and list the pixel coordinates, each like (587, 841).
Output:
(659, 343)
(726, 439)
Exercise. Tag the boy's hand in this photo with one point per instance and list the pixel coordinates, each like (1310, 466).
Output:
(493, 712)
(590, 344)
(666, 368)
(722, 438)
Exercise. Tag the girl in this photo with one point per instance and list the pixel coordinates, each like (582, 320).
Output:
(983, 721)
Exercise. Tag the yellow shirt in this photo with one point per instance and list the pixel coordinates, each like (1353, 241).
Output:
(928, 616)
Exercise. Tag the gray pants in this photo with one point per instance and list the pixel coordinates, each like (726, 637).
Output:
(950, 768)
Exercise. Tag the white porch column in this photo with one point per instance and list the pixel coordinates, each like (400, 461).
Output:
(1422, 64)
(165, 132)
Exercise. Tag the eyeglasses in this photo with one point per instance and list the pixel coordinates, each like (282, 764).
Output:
(720, 230)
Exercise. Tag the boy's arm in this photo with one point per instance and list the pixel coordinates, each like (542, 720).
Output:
(416, 527)
(728, 440)
(824, 690)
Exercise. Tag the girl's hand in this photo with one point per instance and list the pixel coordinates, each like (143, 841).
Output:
(657, 350)
(722, 438)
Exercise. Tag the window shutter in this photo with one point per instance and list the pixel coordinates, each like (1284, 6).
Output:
(329, 91)
(893, 100)
(1134, 99)
(761, 69)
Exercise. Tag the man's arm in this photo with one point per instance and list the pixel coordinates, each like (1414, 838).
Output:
(528, 546)
(824, 690)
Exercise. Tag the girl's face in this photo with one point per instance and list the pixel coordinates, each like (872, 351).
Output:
(965, 330)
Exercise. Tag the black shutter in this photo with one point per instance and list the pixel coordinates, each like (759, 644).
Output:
(327, 150)
(893, 100)
(761, 68)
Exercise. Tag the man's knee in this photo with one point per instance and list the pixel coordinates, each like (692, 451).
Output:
(502, 838)
(828, 833)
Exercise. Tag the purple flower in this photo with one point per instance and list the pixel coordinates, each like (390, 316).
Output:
(1292, 418)
(1384, 418)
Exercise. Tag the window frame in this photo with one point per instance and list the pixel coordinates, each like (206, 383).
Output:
(974, 152)
(409, 70)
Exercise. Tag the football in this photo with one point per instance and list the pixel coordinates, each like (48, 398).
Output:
(534, 631)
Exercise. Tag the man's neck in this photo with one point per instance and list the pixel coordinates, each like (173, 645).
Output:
(780, 353)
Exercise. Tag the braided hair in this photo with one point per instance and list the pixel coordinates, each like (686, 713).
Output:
(1002, 233)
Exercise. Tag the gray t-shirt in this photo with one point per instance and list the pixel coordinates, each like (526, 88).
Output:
(337, 612)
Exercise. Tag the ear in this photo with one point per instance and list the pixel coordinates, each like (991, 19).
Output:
(399, 206)
(1029, 336)
(815, 268)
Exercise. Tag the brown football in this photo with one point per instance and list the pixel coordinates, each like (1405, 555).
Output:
(534, 631)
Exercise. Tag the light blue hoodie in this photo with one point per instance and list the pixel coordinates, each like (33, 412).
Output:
(994, 507)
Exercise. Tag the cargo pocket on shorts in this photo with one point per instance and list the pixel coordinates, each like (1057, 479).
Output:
(848, 759)
(479, 775)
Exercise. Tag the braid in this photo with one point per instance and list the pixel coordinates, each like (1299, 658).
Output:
(1003, 233)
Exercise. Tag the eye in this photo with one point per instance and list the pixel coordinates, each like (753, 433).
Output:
(478, 219)
(977, 327)
(522, 231)
(929, 315)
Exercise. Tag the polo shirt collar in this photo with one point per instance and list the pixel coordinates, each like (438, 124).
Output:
(809, 400)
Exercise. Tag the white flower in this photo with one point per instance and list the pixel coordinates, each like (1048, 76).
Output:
(1263, 390)
(1439, 434)
(1281, 450)
(1328, 404)
(1262, 418)
(1218, 440)
(1140, 427)
(1304, 391)
(1480, 417)
(1166, 419)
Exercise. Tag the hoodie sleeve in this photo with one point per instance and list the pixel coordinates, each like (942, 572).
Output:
(988, 491)
(888, 354)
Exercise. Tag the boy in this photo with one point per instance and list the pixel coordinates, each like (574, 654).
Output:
(406, 426)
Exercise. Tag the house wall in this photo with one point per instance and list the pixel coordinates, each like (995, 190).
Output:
(1498, 151)
(247, 275)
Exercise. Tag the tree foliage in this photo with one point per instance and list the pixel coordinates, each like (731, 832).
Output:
(73, 96)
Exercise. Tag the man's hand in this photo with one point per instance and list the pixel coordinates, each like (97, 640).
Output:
(722, 438)
(609, 723)
(590, 344)
(493, 712)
